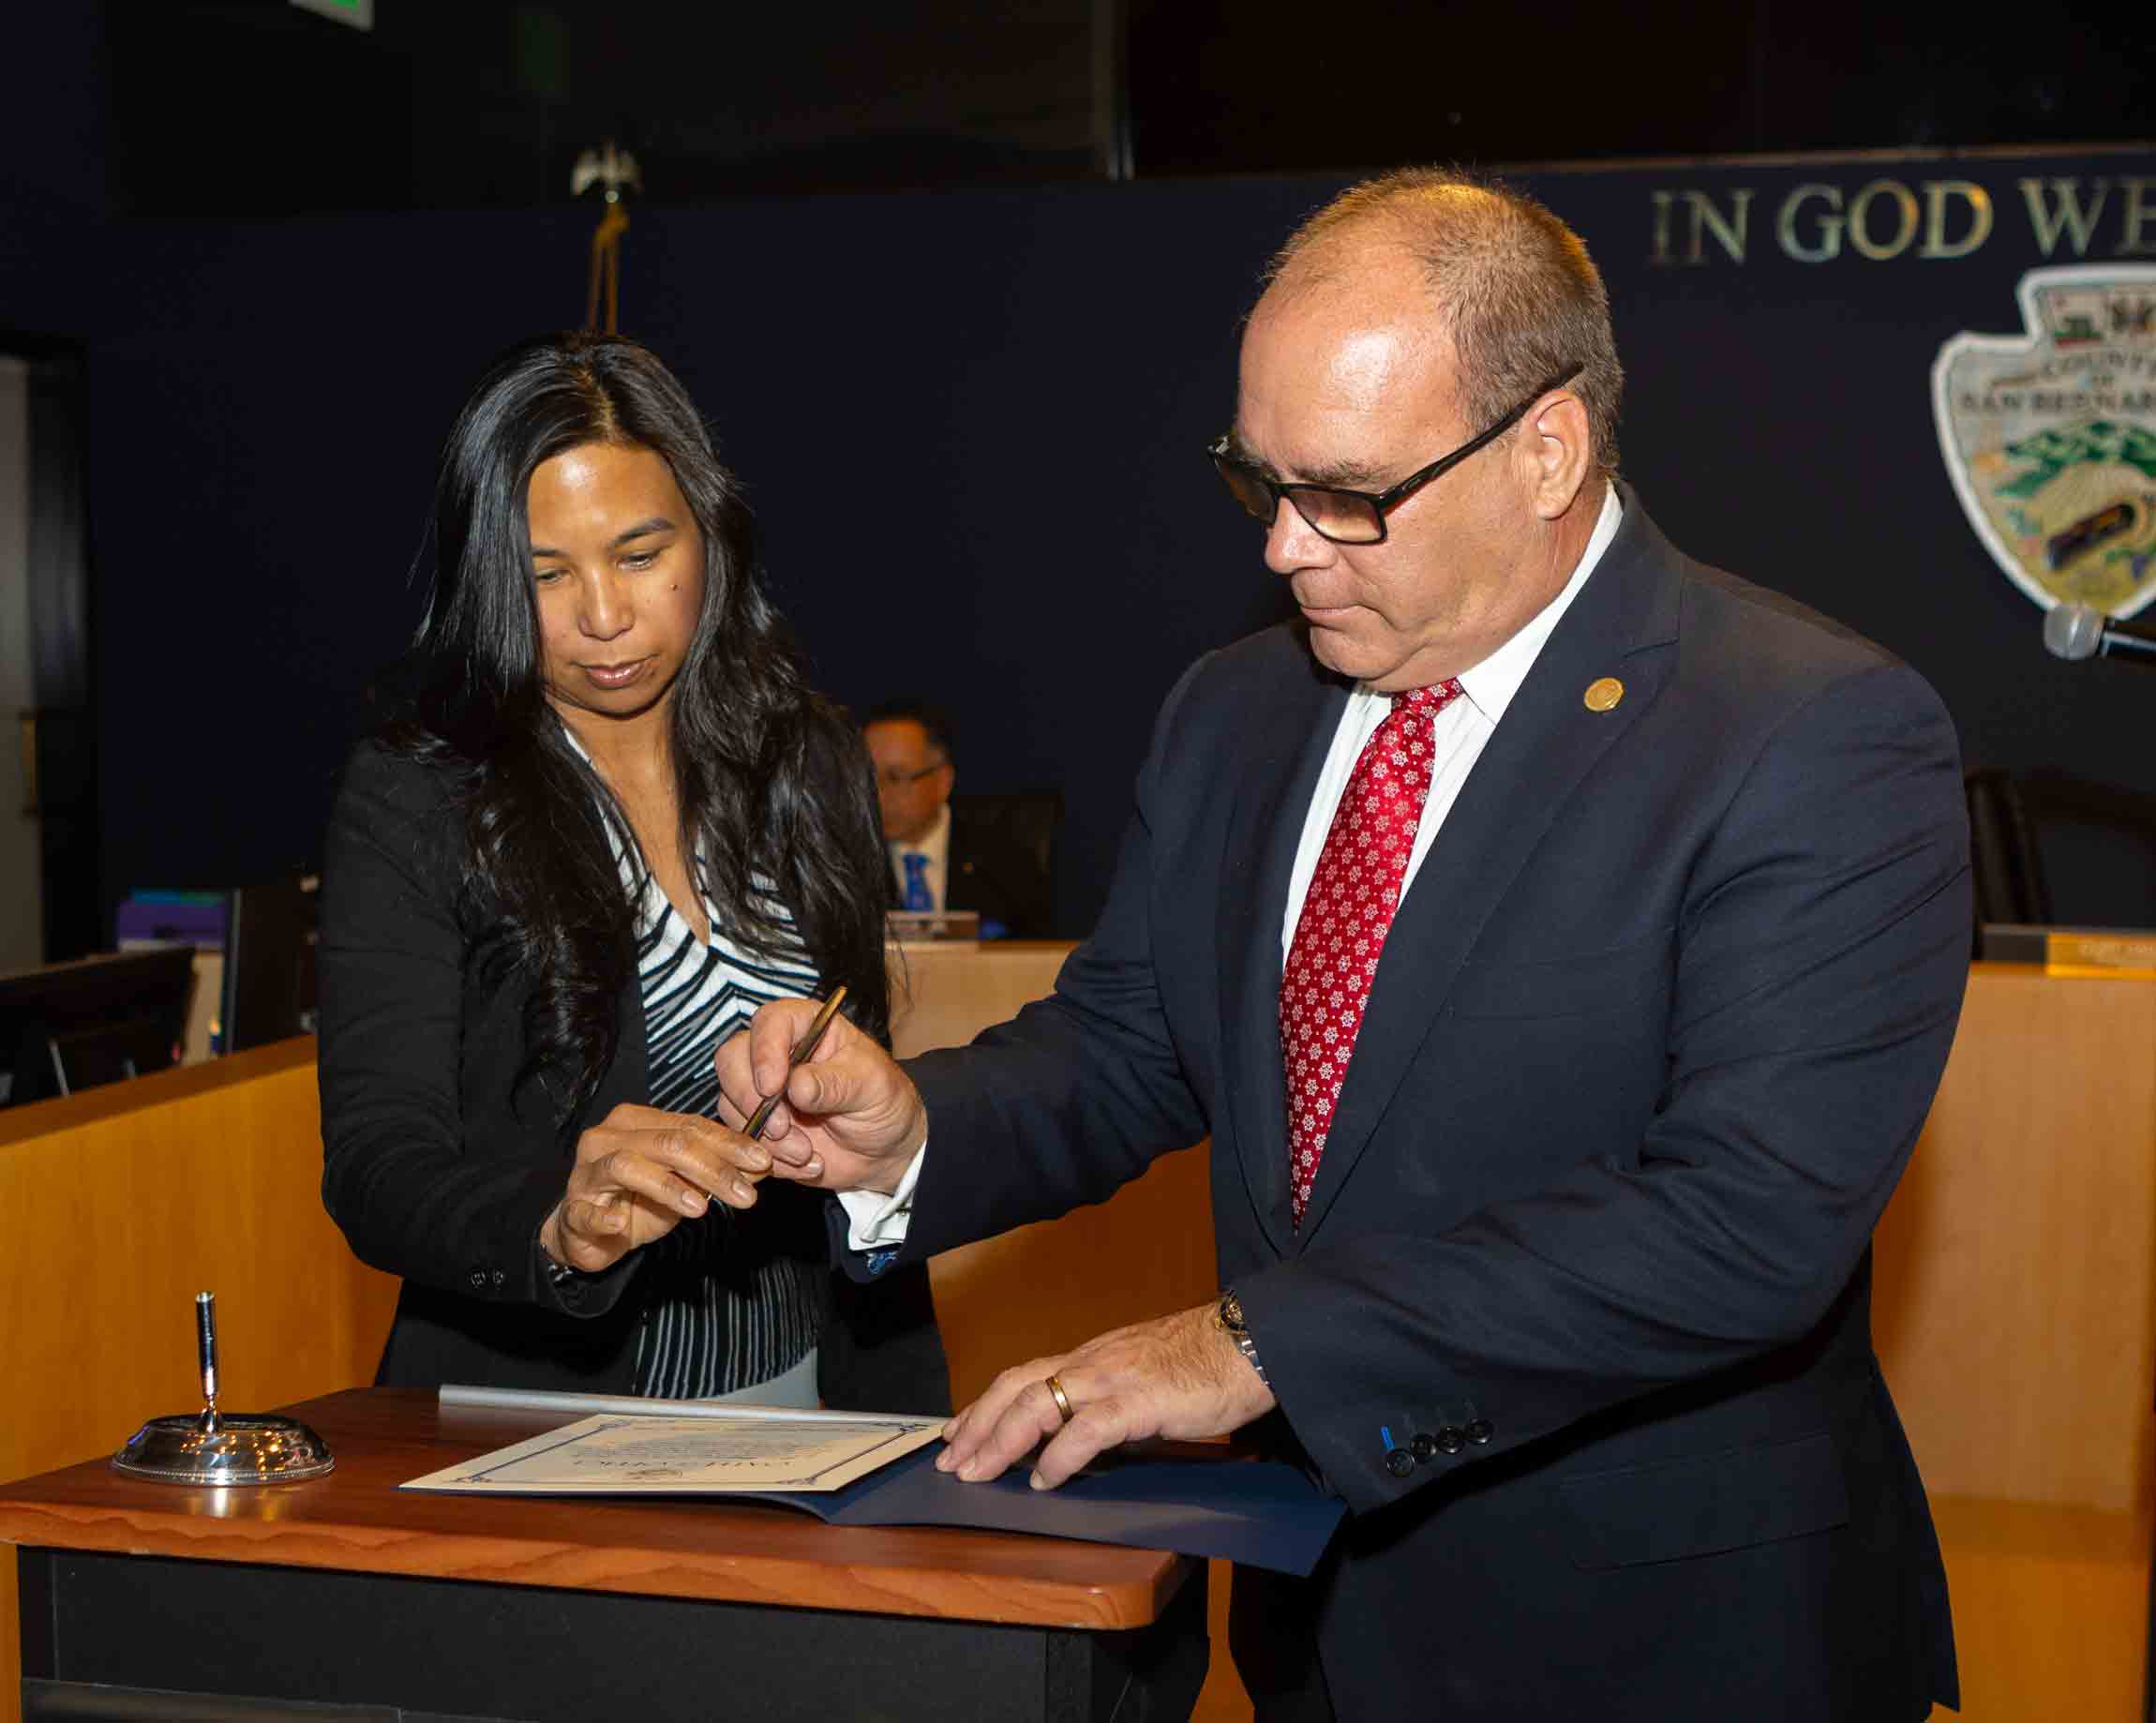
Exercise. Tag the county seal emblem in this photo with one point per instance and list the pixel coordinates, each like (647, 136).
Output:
(2050, 436)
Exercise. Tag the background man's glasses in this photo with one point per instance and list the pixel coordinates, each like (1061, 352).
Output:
(897, 779)
(1354, 516)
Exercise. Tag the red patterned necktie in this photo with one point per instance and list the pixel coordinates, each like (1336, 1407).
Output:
(1352, 900)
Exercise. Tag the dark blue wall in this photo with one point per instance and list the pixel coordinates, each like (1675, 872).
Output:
(971, 424)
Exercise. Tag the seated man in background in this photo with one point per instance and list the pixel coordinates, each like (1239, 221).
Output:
(942, 858)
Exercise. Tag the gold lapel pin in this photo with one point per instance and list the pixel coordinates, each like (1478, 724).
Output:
(1603, 694)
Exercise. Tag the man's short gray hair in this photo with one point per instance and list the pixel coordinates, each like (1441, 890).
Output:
(1515, 289)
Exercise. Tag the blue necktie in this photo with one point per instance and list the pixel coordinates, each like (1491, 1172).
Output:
(917, 895)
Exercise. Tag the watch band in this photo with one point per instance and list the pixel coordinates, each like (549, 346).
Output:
(1228, 1317)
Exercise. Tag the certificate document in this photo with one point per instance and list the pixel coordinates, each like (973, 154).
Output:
(712, 1454)
(872, 1468)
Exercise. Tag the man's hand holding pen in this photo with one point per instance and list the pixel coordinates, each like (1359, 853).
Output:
(847, 1118)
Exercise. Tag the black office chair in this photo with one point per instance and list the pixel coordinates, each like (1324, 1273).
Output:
(2013, 819)
(1021, 829)
(2006, 864)
(1026, 820)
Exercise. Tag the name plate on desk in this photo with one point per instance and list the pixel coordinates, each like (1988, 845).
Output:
(940, 926)
(2113, 953)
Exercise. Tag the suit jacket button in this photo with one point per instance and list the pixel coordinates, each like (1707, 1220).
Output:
(1478, 1432)
(1423, 1446)
(1399, 1463)
(479, 1276)
(1449, 1440)
(498, 1277)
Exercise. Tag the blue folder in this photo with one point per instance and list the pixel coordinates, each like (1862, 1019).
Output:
(1258, 1511)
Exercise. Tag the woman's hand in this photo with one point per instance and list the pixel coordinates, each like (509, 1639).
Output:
(638, 1174)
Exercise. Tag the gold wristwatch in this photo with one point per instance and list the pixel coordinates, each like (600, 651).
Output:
(1228, 1317)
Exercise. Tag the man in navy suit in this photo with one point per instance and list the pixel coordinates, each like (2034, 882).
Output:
(1561, 942)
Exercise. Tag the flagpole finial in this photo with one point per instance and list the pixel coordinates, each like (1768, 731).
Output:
(614, 170)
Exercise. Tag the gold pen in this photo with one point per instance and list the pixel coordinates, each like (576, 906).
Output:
(802, 1048)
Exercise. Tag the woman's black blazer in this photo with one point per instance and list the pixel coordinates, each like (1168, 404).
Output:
(438, 1169)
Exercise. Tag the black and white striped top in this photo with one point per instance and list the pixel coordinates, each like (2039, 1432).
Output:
(732, 1298)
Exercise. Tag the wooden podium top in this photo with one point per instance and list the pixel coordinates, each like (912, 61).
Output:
(356, 1521)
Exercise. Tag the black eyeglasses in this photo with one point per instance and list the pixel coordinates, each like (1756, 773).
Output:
(1354, 516)
(897, 777)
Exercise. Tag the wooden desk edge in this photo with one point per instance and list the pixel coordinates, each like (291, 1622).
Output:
(715, 1576)
(39, 1118)
(86, 1507)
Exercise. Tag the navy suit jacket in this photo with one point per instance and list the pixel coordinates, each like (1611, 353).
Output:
(1578, 1319)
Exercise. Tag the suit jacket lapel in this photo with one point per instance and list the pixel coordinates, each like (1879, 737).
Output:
(1278, 772)
(1621, 625)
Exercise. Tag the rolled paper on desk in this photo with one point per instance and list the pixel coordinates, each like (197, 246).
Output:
(571, 1405)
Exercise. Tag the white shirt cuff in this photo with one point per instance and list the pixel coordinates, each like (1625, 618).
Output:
(876, 1222)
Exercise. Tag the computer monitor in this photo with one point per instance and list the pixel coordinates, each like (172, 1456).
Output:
(269, 981)
(73, 1025)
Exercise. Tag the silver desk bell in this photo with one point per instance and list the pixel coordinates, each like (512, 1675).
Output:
(216, 1447)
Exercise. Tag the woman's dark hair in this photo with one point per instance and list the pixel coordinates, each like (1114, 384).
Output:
(776, 788)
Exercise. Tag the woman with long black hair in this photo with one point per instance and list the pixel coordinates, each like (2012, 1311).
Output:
(610, 820)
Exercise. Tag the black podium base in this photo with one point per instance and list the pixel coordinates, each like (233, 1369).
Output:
(142, 1637)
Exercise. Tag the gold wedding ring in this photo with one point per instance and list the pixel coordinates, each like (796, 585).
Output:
(1062, 1400)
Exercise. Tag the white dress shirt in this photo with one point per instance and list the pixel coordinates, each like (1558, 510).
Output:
(1463, 729)
(935, 845)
